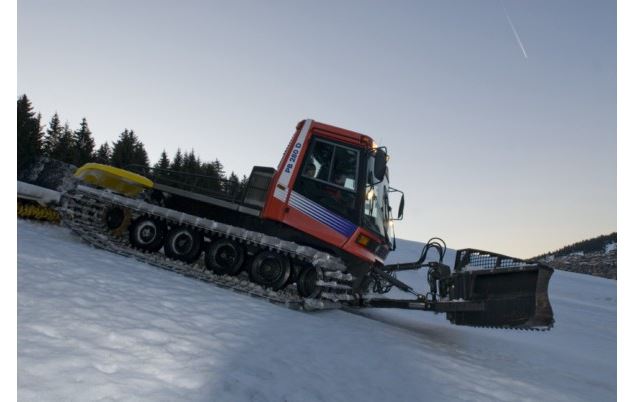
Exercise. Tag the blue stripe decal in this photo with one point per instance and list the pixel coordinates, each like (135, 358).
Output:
(335, 220)
(314, 211)
(321, 214)
(323, 220)
(326, 222)
(311, 212)
(318, 208)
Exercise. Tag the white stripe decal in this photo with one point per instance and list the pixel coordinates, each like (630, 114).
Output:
(282, 186)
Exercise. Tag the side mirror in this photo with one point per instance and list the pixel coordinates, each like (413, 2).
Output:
(401, 205)
(379, 169)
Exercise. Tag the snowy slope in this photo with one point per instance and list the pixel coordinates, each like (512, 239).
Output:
(97, 326)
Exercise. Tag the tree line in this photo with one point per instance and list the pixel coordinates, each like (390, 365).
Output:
(58, 141)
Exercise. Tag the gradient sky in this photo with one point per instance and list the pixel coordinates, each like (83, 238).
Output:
(493, 149)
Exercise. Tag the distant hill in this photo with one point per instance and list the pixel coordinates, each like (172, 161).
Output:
(596, 256)
(595, 244)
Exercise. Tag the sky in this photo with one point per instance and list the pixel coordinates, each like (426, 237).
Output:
(499, 116)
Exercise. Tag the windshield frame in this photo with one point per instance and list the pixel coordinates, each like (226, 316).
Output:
(376, 211)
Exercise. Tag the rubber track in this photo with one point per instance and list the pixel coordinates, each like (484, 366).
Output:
(83, 210)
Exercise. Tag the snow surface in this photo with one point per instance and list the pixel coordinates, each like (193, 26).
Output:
(97, 326)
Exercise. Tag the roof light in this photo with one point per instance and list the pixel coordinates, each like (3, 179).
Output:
(367, 141)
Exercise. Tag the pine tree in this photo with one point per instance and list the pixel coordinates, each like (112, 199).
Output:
(83, 144)
(63, 150)
(192, 164)
(128, 150)
(103, 154)
(220, 169)
(212, 181)
(29, 131)
(177, 161)
(164, 161)
(53, 135)
(198, 169)
(243, 184)
(141, 155)
(189, 162)
(232, 185)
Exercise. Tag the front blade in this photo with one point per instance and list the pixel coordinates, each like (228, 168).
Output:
(514, 292)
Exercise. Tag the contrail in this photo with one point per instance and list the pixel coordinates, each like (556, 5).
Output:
(511, 24)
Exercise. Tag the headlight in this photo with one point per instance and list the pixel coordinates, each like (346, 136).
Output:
(370, 194)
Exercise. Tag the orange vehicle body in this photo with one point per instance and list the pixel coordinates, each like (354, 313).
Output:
(286, 206)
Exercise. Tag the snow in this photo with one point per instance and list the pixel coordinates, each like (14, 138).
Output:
(98, 326)
(37, 193)
(612, 246)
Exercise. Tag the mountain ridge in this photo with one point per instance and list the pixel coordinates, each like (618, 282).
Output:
(596, 256)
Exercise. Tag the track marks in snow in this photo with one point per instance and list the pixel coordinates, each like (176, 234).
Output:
(92, 325)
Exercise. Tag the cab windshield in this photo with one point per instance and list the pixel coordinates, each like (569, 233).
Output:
(376, 205)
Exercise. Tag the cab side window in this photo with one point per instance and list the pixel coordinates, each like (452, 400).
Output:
(344, 169)
(318, 162)
(329, 177)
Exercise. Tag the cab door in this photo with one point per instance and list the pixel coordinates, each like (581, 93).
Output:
(323, 201)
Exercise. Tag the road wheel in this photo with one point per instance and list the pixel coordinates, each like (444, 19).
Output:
(117, 219)
(225, 257)
(147, 234)
(307, 283)
(270, 270)
(183, 244)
